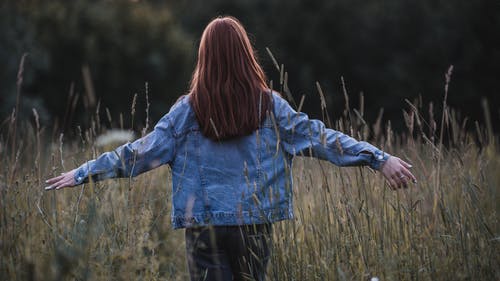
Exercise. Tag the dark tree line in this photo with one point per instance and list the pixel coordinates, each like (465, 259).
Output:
(85, 53)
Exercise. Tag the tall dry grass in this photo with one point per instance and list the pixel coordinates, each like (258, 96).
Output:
(349, 225)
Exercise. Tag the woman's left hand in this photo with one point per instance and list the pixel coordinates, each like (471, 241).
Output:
(62, 181)
(397, 172)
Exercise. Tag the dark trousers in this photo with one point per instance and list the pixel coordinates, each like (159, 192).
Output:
(228, 252)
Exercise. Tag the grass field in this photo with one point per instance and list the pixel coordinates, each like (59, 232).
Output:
(349, 225)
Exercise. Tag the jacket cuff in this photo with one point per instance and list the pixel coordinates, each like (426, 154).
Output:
(378, 159)
(81, 174)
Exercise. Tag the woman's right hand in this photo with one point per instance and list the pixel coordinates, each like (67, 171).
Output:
(397, 173)
(62, 181)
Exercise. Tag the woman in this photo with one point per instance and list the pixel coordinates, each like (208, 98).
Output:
(230, 143)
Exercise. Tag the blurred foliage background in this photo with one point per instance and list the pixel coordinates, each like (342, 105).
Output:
(85, 56)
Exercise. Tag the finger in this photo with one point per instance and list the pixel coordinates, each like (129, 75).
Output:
(403, 181)
(56, 185)
(54, 179)
(399, 179)
(405, 164)
(53, 185)
(61, 185)
(398, 176)
(404, 173)
(408, 174)
(64, 184)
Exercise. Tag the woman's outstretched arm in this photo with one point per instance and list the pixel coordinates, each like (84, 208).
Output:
(128, 160)
(310, 136)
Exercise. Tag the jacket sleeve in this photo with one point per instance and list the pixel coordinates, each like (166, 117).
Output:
(132, 159)
(301, 135)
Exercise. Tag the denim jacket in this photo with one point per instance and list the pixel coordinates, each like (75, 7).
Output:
(246, 180)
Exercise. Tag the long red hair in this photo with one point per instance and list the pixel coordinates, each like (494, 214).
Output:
(228, 90)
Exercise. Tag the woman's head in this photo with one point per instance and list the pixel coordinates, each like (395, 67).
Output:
(228, 89)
